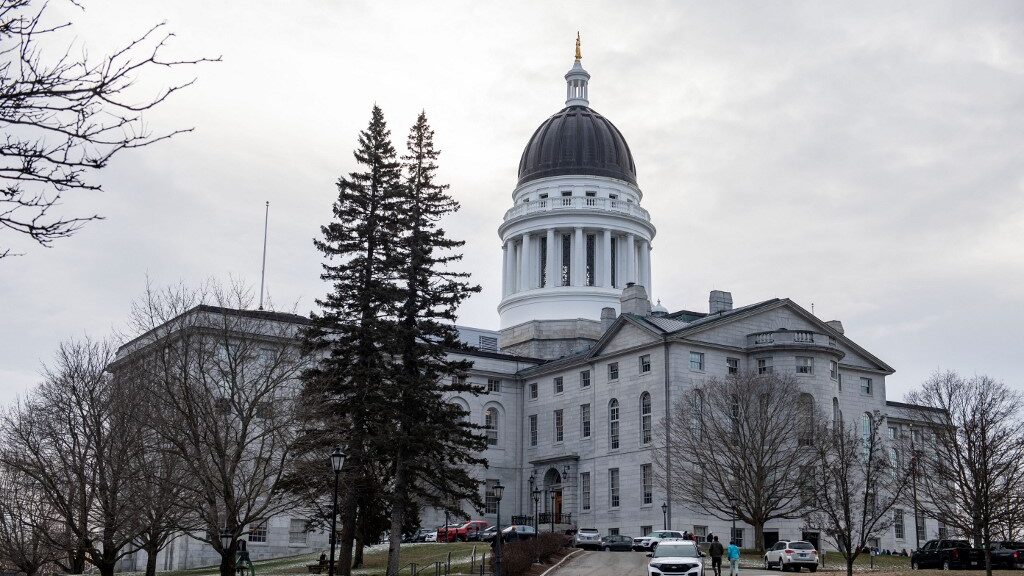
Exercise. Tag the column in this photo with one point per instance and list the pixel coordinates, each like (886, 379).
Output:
(579, 259)
(510, 266)
(647, 275)
(630, 259)
(606, 258)
(644, 268)
(524, 264)
(552, 277)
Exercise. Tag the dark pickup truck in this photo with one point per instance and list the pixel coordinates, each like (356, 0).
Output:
(947, 554)
(1008, 554)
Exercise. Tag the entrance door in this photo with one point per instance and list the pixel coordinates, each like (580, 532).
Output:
(558, 507)
(813, 538)
(770, 538)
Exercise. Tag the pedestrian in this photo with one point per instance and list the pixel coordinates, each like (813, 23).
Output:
(715, 550)
(734, 558)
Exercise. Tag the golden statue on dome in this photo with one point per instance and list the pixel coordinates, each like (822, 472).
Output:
(578, 54)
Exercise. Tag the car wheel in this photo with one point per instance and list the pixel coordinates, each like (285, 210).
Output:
(607, 549)
(767, 565)
(812, 568)
(945, 564)
(914, 565)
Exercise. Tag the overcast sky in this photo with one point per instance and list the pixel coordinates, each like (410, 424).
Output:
(866, 158)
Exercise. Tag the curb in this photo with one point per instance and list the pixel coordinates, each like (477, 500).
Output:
(562, 561)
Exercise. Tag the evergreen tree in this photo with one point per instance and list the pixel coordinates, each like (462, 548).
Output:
(347, 391)
(432, 446)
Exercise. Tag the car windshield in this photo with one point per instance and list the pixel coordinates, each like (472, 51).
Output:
(588, 531)
(665, 549)
(801, 546)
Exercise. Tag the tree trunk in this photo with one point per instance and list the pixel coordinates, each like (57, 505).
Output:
(397, 518)
(343, 565)
(151, 552)
(759, 536)
(227, 567)
(357, 556)
(849, 565)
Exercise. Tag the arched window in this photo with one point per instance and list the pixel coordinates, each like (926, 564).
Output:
(805, 410)
(866, 430)
(613, 424)
(491, 425)
(645, 418)
(697, 414)
(837, 416)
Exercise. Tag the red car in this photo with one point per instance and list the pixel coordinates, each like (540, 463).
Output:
(469, 531)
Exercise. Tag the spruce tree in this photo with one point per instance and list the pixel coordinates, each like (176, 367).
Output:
(347, 392)
(433, 447)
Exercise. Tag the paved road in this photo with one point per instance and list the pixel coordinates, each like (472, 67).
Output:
(629, 564)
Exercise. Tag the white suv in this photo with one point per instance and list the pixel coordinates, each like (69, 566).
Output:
(676, 558)
(650, 541)
(792, 555)
(587, 538)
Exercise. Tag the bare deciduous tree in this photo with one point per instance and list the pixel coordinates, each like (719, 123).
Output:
(76, 437)
(972, 471)
(65, 116)
(223, 377)
(854, 483)
(25, 520)
(733, 447)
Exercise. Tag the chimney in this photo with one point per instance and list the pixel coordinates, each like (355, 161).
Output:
(719, 301)
(634, 300)
(836, 325)
(607, 317)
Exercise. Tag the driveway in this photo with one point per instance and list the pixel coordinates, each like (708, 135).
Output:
(629, 564)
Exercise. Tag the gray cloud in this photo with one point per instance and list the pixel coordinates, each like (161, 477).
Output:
(864, 157)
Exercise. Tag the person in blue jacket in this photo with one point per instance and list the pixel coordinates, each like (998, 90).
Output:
(733, 552)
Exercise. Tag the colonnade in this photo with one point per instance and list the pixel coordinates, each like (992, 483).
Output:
(535, 259)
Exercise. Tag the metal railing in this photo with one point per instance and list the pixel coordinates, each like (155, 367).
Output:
(556, 517)
(578, 203)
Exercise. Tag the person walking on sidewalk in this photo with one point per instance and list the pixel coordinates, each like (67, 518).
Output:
(715, 550)
(734, 559)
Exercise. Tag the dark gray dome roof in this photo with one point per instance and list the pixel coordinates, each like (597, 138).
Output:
(577, 141)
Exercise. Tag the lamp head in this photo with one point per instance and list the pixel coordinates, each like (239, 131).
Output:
(499, 490)
(337, 459)
(225, 538)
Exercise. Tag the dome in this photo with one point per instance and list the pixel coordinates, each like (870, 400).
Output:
(577, 141)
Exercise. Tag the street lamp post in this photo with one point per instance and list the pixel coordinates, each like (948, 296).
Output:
(552, 513)
(226, 540)
(664, 516)
(536, 506)
(732, 535)
(499, 491)
(337, 462)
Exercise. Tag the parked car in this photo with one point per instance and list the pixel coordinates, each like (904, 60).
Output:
(947, 554)
(617, 542)
(650, 541)
(1008, 554)
(587, 538)
(430, 536)
(675, 557)
(467, 531)
(488, 534)
(518, 532)
(446, 531)
(791, 555)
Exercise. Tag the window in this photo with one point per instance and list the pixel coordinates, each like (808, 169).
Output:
(591, 247)
(585, 379)
(943, 531)
(805, 422)
(866, 431)
(865, 385)
(458, 379)
(764, 365)
(490, 499)
(697, 361)
(613, 370)
(646, 530)
(837, 415)
(559, 386)
(804, 365)
(297, 531)
(533, 390)
(840, 381)
(491, 425)
(488, 343)
(566, 258)
(559, 425)
(614, 259)
(833, 369)
(737, 536)
(533, 429)
(542, 262)
(493, 385)
(732, 365)
(645, 363)
(647, 475)
(920, 527)
(645, 418)
(701, 532)
(585, 421)
(613, 488)
(613, 531)
(585, 490)
(258, 532)
(697, 413)
(613, 424)
(898, 523)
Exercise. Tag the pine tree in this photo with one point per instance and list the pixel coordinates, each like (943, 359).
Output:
(347, 392)
(433, 446)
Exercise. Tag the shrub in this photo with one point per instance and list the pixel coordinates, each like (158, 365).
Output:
(548, 545)
(516, 558)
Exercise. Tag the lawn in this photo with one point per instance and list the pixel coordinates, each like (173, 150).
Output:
(835, 562)
(375, 560)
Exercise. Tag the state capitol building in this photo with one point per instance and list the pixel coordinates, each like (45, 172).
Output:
(584, 366)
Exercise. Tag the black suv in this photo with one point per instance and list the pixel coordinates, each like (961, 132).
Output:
(947, 554)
